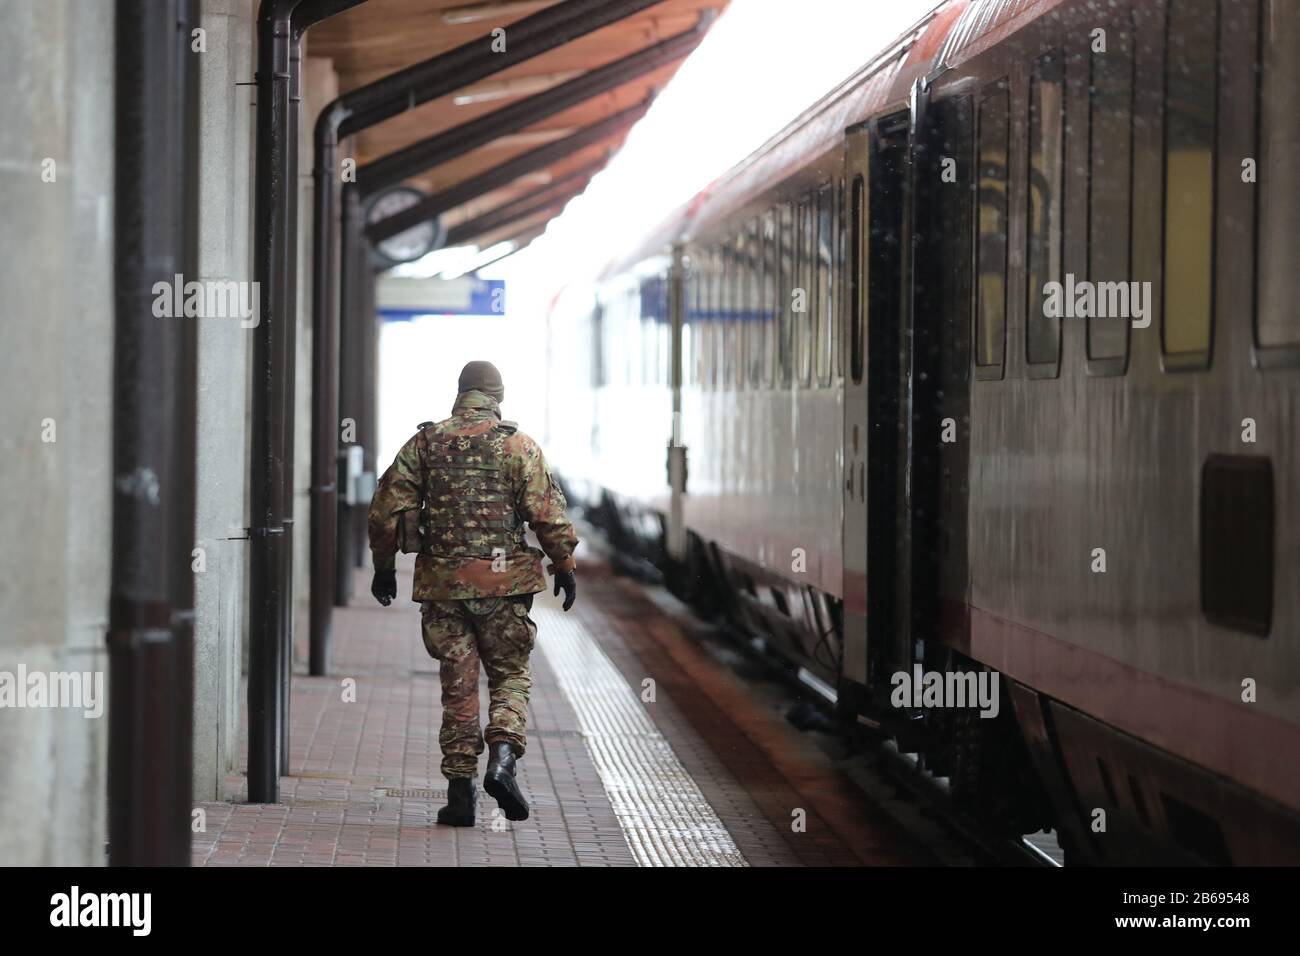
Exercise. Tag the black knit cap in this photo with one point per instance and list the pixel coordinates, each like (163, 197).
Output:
(482, 377)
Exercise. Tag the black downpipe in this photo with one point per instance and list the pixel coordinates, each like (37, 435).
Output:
(357, 110)
(266, 534)
(305, 16)
(289, 372)
(325, 437)
(349, 397)
(151, 606)
(280, 26)
(369, 430)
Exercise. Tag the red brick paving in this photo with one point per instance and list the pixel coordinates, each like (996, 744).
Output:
(342, 805)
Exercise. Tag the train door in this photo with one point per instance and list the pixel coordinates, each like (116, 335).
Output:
(877, 161)
(938, 391)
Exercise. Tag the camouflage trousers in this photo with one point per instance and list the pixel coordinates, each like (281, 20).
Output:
(459, 634)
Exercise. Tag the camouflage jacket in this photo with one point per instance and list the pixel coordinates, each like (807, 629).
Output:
(537, 500)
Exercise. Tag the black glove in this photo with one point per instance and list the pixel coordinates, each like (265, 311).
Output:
(569, 581)
(384, 587)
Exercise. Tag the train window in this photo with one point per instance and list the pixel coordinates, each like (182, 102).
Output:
(786, 258)
(806, 300)
(1277, 321)
(753, 296)
(632, 336)
(637, 333)
(706, 319)
(726, 302)
(598, 376)
(991, 287)
(857, 213)
(738, 289)
(837, 284)
(825, 300)
(1046, 182)
(650, 339)
(744, 334)
(665, 352)
(767, 295)
(689, 344)
(1109, 194)
(689, 320)
(1191, 92)
(715, 321)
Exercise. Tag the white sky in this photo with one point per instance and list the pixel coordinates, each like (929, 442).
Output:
(763, 63)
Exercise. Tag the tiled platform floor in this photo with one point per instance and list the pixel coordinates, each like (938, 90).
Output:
(365, 786)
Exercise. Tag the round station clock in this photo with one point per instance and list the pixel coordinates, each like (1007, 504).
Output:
(411, 244)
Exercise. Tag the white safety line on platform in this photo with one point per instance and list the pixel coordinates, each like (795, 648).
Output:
(665, 818)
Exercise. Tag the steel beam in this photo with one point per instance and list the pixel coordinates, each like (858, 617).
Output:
(555, 195)
(459, 140)
(504, 173)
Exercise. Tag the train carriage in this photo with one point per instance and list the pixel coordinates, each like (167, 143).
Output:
(989, 361)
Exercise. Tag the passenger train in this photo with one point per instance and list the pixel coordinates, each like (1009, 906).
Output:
(989, 362)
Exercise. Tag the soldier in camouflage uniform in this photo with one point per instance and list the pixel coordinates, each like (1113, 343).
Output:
(460, 492)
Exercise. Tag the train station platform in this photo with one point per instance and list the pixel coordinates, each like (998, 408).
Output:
(644, 750)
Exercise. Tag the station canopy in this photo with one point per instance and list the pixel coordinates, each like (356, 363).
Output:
(381, 37)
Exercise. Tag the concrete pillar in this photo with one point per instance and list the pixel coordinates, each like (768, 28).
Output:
(225, 353)
(319, 87)
(56, 359)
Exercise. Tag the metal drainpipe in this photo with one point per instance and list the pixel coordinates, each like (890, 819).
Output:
(305, 16)
(354, 111)
(324, 389)
(280, 25)
(364, 273)
(150, 636)
(266, 496)
(289, 371)
(356, 278)
(347, 395)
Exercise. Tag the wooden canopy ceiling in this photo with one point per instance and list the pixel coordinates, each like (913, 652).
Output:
(380, 37)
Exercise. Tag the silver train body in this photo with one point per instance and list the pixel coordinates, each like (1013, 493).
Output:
(831, 400)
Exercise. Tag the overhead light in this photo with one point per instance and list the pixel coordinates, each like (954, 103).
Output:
(503, 89)
(431, 265)
(533, 137)
(478, 12)
(540, 178)
(481, 257)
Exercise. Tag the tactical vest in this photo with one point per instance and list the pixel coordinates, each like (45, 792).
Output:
(469, 508)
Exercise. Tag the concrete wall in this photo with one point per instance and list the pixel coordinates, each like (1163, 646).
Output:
(225, 354)
(56, 354)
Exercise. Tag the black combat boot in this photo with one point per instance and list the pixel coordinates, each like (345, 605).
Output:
(461, 797)
(500, 782)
